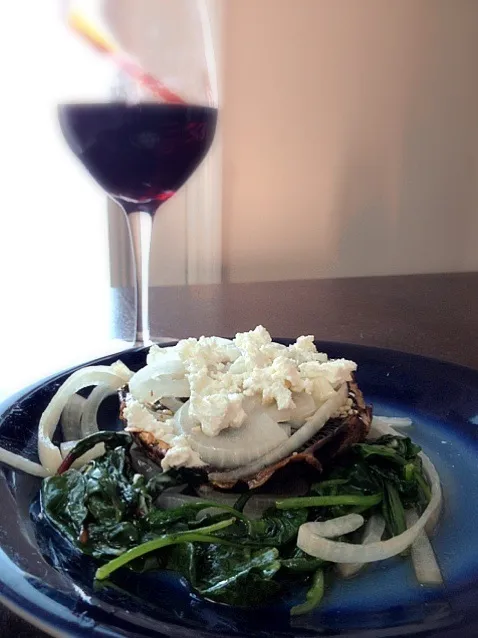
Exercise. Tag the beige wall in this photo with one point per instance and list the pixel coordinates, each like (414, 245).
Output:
(350, 137)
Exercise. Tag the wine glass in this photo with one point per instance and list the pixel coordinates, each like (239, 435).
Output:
(138, 107)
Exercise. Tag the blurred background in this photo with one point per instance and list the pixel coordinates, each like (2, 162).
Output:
(348, 146)
(350, 138)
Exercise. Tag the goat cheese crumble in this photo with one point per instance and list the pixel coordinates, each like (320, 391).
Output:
(221, 373)
(179, 453)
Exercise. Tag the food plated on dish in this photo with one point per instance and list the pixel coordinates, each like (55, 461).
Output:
(248, 466)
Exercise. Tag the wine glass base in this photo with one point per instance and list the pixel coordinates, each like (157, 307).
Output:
(143, 339)
(146, 343)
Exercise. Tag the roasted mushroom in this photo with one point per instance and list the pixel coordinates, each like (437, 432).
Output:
(339, 433)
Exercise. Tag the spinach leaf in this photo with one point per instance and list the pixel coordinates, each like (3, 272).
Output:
(98, 508)
(301, 564)
(393, 511)
(395, 449)
(277, 527)
(314, 595)
(246, 589)
(239, 576)
(63, 501)
(200, 535)
(360, 500)
(351, 475)
(111, 440)
(242, 500)
(390, 466)
(107, 511)
(161, 481)
(111, 494)
(184, 559)
(105, 540)
(159, 521)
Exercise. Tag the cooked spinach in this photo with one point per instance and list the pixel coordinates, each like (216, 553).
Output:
(99, 509)
(200, 535)
(299, 562)
(314, 595)
(109, 512)
(237, 575)
(365, 501)
(111, 440)
(276, 528)
(63, 501)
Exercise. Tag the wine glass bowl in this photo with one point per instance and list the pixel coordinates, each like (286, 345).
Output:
(143, 114)
(140, 153)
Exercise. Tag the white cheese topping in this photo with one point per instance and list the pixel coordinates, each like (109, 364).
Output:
(216, 393)
(275, 382)
(180, 454)
(304, 350)
(220, 373)
(140, 419)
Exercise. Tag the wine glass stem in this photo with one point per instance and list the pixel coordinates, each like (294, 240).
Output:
(141, 225)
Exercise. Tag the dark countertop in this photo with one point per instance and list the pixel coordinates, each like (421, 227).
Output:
(431, 315)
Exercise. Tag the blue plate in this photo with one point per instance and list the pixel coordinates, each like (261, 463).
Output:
(43, 580)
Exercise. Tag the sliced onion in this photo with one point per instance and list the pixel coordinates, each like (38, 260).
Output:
(49, 454)
(70, 419)
(171, 403)
(304, 407)
(286, 428)
(176, 489)
(238, 366)
(376, 431)
(254, 508)
(153, 382)
(385, 425)
(323, 390)
(254, 404)
(233, 447)
(66, 447)
(292, 444)
(209, 511)
(20, 463)
(373, 532)
(89, 421)
(208, 493)
(332, 528)
(158, 355)
(258, 504)
(91, 455)
(424, 560)
(395, 421)
(230, 347)
(168, 500)
(379, 428)
(339, 552)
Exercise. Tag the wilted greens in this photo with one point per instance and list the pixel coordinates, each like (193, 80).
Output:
(108, 512)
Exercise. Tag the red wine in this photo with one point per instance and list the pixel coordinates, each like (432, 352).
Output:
(139, 153)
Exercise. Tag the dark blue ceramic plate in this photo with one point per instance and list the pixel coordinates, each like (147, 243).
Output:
(45, 582)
